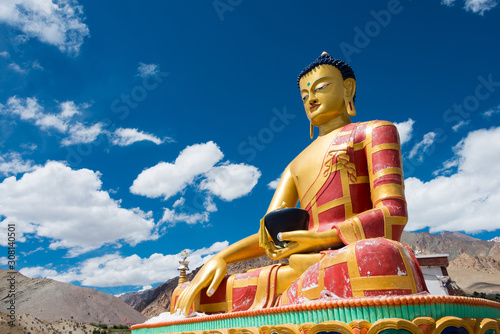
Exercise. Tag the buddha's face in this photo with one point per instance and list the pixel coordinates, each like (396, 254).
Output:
(323, 91)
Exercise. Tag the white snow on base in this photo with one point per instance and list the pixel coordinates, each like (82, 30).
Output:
(167, 317)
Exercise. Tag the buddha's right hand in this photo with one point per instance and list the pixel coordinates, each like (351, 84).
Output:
(211, 275)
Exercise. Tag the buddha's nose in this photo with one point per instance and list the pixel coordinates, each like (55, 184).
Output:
(313, 100)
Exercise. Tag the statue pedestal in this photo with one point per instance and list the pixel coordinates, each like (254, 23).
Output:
(416, 314)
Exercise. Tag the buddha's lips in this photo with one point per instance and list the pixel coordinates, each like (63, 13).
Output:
(314, 106)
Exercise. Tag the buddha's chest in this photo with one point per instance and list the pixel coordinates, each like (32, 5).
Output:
(317, 162)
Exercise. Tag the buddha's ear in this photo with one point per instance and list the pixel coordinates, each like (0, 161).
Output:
(349, 88)
(349, 91)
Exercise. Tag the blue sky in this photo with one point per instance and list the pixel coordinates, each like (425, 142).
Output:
(133, 130)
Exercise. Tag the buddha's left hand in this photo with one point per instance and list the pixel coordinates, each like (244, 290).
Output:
(303, 242)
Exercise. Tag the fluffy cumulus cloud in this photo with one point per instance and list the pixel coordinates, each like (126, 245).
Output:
(125, 137)
(64, 122)
(465, 194)
(115, 270)
(405, 130)
(475, 6)
(230, 181)
(195, 166)
(147, 70)
(55, 22)
(80, 133)
(167, 179)
(274, 184)
(58, 203)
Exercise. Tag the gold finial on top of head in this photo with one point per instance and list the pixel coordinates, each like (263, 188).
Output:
(325, 53)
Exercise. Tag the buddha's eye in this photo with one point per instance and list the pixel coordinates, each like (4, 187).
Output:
(304, 98)
(321, 87)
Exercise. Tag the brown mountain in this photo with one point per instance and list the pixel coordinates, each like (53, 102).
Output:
(51, 300)
(474, 266)
(453, 243)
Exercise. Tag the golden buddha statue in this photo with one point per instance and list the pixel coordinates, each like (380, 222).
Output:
(350, 181)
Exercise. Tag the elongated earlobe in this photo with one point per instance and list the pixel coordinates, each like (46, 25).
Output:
(349, 104)
(311, 131)
(349, 93)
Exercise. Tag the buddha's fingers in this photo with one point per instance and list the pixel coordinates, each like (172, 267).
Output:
(216, 280)
(186, 300)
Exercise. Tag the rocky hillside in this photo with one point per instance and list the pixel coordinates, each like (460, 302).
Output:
(51, 300)
(475, 273)
(452, 243)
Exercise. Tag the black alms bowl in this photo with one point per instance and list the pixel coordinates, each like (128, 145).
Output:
(285, 220)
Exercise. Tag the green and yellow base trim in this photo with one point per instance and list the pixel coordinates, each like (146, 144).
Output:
(388, 315)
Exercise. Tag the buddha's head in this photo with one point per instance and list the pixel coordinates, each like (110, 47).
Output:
(328, 89)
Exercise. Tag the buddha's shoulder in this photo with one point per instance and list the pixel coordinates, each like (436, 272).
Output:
(364, 130)
(373, 124)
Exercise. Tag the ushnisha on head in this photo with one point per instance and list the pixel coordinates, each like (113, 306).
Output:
(328, 89)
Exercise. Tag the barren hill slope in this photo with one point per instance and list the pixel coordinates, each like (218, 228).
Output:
(453, 243)
(51, 300)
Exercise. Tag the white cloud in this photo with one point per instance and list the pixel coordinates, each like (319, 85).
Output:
(465, 200)
(78, 133)
(274, 184)
(475, 6)
(82, 134)
(179, 202)
(55, 22)
(27, 109)
(58, 203)
(12, 164)
(30, 110)
(167, 179)
(422, 146)
(147, 70)
(460, 124)
(195, 166)
(115, 270)
(125, 137)
(38, 272)
(492, 111)
(26, 66)
(16, 68)
(68, 110)
(230, 181)
(189, 214)
(28, 146)
(405, 130)
(480, 6)
(145, 288)
(4, 54)
(4, 261)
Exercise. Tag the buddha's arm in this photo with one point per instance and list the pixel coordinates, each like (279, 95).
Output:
(388, 216)
(212, 273)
